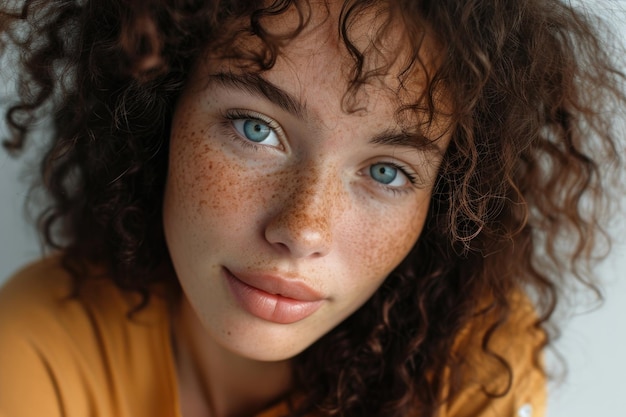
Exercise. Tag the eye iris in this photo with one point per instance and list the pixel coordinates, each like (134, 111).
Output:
(383, 173)
(255, 130)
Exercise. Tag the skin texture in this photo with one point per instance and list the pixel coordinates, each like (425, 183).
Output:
(304, 207)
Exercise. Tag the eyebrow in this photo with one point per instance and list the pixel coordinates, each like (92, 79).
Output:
(257, 85)
(414, 141)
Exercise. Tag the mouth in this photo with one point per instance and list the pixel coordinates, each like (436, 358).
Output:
(273, 298)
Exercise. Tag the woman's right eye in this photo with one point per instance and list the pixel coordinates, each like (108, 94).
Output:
(256, 131)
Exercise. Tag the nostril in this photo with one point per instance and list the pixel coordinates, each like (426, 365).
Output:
(282, 246)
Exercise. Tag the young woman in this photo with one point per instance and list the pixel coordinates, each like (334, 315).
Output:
(360, 208)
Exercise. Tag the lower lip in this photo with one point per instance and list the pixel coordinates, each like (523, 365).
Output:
(270, 307)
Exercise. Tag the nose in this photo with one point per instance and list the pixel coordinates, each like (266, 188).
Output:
(303, 223)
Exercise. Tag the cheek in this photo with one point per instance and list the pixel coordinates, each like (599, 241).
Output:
(384, 239)
(212, 193)
(200, 186)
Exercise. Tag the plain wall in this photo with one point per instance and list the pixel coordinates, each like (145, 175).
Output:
(593, 344)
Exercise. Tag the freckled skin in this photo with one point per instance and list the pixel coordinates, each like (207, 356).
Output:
(307, 211)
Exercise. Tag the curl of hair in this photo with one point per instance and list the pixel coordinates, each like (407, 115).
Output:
(516, 207)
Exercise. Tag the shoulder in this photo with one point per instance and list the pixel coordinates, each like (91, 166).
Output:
(506, 379)
(70, 351)
(34, 325)
(40, 301)
(42, 282)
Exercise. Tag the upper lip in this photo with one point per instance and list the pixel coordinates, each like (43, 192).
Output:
(293, 288)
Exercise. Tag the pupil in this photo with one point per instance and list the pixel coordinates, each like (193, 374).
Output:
(383, 173)
(255, 130)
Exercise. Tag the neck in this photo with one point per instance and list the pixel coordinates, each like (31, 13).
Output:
(213, 381)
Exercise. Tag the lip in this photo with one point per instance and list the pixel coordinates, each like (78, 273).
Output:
(273, 298)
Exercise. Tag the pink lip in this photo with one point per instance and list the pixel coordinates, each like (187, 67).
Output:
(273, 298)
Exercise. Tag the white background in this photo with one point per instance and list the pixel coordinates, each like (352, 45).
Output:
(593, 344)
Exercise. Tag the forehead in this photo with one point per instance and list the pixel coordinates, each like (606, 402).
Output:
(368, 40)
(362, 57)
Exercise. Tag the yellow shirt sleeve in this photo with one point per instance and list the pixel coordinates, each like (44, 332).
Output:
(35, 373)
(519, 343)
(28, 385)
(81, 356)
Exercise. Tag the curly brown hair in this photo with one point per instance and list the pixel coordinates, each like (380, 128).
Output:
(518, 203)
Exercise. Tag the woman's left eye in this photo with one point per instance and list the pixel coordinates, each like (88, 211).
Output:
(389, 175)
(256, 131)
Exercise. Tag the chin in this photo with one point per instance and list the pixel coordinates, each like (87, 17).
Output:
(264, 341)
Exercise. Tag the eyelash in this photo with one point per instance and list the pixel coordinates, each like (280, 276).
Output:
(237, 114)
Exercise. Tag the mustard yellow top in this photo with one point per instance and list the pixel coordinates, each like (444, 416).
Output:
(80, 357)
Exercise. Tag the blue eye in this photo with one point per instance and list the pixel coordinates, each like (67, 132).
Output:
(384, 174)
(256, 131)
(388, 174)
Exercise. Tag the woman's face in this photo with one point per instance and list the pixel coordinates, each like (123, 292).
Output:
(284, 213)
